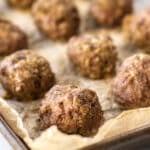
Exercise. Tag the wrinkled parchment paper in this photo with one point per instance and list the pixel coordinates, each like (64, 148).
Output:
(23, 116)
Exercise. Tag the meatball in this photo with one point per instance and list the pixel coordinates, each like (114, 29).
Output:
(137, 30)
(131, 87)
(57, 19)
(110, 12)
(72, 109)
(11, 38)
(21, 3)
(92, 56)
(25, 75)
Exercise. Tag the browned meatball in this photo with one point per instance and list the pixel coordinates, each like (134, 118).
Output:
(11, 38)
(110, 12)
(26, 75)
(93, 56)
(58, 19)
(137, 30)
(72, 109)
(131, 86)
(21, 3)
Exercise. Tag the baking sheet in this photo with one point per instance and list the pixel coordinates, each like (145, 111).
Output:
(23, 116)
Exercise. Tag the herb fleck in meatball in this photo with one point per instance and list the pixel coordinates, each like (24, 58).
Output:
(72, 109)
(21, 3)
(137, 30)
(110, 12)
(58, 19)
(11, 38)
(93, 56)
(131, 86)
(25, 75)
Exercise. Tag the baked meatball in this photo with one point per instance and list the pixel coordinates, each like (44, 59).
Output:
(93, 56)
(25, 75)
(58, 19)
(11, 38)
(21, 3)
(110, 12)
(131, 86)
(137, 30)
(72, 109)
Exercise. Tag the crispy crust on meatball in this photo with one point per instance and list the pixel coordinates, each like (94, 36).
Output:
(58, 19)
(26, 75)
(11, 38)
(137, 30)
(131, 87)
(110, 12)
(93, 56)
(21, 3)
(72, 109)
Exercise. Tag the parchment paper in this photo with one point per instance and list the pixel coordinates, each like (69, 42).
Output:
(23, 116)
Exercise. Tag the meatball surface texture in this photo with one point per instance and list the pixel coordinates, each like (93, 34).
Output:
(137, 30)
(25, 75)
(110, 12)
(92, 56)
(72, 109)
(12, 38)
(131, 86)
(21, 3)
(57, 19)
